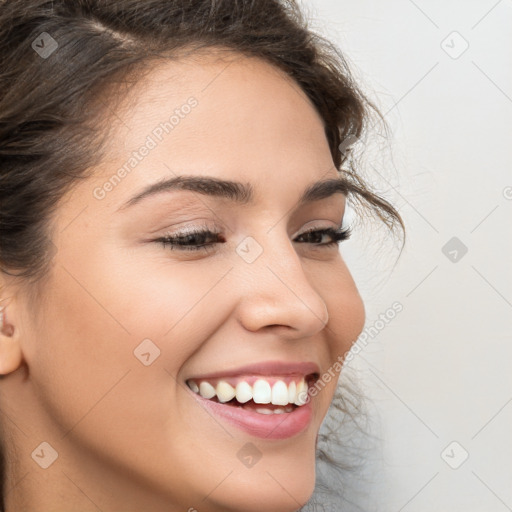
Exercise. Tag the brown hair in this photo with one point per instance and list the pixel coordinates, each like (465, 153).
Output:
(53, 114)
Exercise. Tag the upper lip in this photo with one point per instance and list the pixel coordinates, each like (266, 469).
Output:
(269, 368)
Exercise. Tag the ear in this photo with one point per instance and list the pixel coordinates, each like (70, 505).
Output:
(11, 355)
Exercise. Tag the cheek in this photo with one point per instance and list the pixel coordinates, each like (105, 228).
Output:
(175, 305)
(82, 346)
(83, 368)
(138, 293)
(100, 318)
(346, 310)
(346, 322)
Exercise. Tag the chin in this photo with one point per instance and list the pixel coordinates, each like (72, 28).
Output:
(267, 494)
(277, 486)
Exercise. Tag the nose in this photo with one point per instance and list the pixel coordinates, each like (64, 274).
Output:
(279, 294)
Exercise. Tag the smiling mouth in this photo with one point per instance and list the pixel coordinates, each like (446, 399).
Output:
(257, 393)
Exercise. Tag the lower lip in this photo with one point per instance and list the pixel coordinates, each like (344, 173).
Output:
(265, 426)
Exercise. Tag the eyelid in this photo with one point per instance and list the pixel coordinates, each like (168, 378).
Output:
(199, 228)
(320, 224)
(173, 241)
(193, 228)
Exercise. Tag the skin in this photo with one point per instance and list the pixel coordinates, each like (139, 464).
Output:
(130, 437)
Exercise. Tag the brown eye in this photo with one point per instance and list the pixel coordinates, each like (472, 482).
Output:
(315, 236)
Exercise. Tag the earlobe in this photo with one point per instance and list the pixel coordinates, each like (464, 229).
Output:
(10, 348)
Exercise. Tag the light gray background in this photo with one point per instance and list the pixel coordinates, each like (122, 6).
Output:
(441, 370)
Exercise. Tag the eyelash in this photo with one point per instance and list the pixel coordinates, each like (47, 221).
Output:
(176, 242)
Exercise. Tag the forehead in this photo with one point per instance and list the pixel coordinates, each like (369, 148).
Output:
(237, 95)
(250, 122)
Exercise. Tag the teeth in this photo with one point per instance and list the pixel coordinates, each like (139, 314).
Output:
(243, 392)
(292, 392)
(206, 390)
(261, 392)
(262, 410)
(280, 393)
(225, 392)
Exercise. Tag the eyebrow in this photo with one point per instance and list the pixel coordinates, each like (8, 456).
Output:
(241, 193)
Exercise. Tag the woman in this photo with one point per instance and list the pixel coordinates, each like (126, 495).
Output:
(175, 308)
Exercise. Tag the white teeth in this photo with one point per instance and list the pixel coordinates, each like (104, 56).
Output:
(279, 393)
(225, 391)
(243, 392)
(262, 410)
(292, 392)
(261, 392)
(281, 410)
(206, 390)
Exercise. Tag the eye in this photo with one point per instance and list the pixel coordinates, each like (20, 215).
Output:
(206, 239)
(192, 240)
(316, 236)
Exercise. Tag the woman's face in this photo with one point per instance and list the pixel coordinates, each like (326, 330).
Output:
(127, 320)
